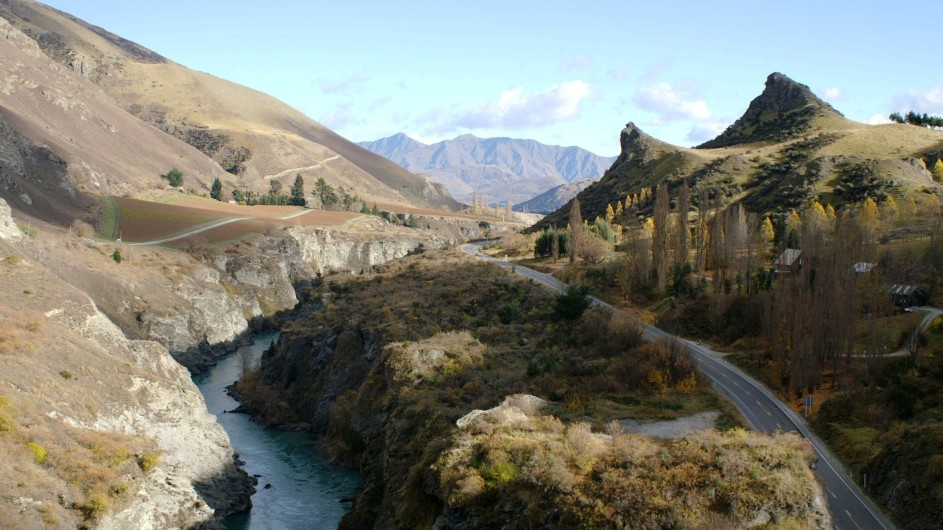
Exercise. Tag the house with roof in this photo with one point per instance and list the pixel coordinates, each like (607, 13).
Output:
(863, 267)
(907, 295)
(789, 262)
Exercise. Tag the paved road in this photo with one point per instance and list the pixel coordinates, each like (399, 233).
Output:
(850, 508)
(931, 313)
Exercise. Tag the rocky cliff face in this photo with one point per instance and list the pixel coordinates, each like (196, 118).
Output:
(375, 242)
(198, 462)
(199, 305)
(8, 229)
(81, 390)
(782, 111)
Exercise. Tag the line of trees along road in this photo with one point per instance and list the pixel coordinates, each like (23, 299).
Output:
(809, 318)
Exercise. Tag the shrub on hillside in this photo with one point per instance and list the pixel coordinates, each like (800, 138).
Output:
(534, 472)
(571, 303)
(174, 177)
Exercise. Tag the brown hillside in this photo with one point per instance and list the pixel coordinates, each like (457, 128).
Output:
(62, 136)
(789, 149)
(251, 134)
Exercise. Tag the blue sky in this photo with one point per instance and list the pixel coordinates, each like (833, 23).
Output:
(564, 73)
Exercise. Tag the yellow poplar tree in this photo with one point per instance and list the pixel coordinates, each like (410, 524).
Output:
(938, 169)
(830, 213)
(628, 202)
(891, 211)
(870, 215)
(619, 210)
(767, 234)
(610, 214)
(648, 229)
(815, 217)
(932, 204)
(911, 208)
(616, 233)
(766, 237)
(794, 222)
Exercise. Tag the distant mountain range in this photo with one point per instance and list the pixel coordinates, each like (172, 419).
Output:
(499, 169)
(552, 199)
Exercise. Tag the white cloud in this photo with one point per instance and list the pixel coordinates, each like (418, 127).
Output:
(833, 94)
(878, 119)
(706, 130)
(577, 62)
(329, 86)
(929, 101)
(422, 138)
(670, 104)
(518, 109)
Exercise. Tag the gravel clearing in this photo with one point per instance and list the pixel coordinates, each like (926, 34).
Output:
(672, 428)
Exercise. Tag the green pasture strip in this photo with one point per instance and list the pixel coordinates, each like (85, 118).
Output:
(111, 216)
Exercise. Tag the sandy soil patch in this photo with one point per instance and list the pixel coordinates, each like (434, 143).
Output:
(673, 428)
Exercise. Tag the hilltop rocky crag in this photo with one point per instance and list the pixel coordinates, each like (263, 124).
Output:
(789, 149)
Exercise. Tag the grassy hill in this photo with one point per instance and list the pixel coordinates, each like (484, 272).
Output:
(253, 136)
(789, 149)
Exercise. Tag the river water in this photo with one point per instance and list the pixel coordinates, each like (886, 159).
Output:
(306, 490)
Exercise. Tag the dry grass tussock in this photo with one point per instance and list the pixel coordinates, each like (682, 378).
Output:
(447, 354)
(551, 475)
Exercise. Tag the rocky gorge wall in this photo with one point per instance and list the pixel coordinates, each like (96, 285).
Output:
(228, 290)
(374, 241)
(120, 436)
(126, 331)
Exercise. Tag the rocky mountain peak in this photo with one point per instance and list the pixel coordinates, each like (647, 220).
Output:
(636, 143)
(783, 110)
(782, 94)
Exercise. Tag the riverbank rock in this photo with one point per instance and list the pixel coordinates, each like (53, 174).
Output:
(77, 388)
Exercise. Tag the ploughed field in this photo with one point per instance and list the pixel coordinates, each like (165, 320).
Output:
(136, 221)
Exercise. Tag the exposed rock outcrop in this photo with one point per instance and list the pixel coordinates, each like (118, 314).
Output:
(783, 110)
(375, 242)
(8, 229)
(79, 376)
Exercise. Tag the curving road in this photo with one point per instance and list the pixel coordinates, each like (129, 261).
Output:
(850, 507)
